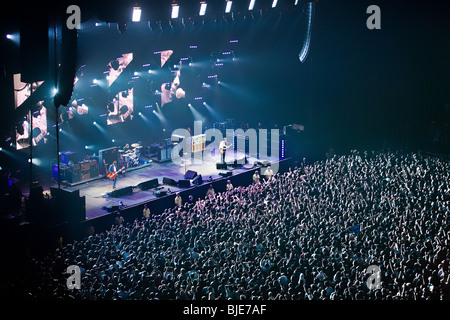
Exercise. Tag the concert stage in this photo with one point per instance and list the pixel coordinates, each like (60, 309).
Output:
(101, 200)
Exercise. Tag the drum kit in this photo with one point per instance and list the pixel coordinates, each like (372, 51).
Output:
(130, 157)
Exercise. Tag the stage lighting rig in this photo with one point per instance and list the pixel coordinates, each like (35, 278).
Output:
(228, 5)
(136, 17)
(203, 6)
(175, 10)
(304, 52)
(251, 5)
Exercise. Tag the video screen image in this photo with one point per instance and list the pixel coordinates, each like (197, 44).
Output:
(38, 132)
(121, 108)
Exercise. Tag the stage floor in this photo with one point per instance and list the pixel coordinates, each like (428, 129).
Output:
(97, 191)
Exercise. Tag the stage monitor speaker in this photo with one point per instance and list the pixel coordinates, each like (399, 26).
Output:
(169, 181)
(198, 180)
(160, 193)
(190, 174)
(121, 192)
(112, 208)
(221, 166)
(148, 184)
(226, 174)
(263, 163)
(184, 183)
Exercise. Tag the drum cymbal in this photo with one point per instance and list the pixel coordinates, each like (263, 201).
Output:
(129, 151)
(135, 145)
(138, 147)
(120, 150)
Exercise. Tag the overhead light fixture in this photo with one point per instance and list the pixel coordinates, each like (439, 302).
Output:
(203, 5)
(175, 10)
(228, 6)
(251, 5)
(136, 14)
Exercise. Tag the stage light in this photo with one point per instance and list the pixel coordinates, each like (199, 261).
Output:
(113, 140)
(274, 3)
(140, 113)
(251, 5)
(202, 8)
(55, 90)
(85, 147)
(296, 2)
(304, 52)
(175, 10)
(228, 6)
(136, 14)
(94, 123)
(136, 73)
(9, 36)
(94, 81)
(1, 149)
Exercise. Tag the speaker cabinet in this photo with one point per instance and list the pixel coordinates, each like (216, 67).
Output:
(190, 174)
(121, 192)
(198, 180)
(184, 183)
(169, 181)
(150, 184)
(221, 166)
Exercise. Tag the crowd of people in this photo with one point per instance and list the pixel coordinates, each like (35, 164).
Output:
(309, 233)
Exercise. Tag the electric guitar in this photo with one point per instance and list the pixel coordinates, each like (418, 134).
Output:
(222, 150)
(113, 175)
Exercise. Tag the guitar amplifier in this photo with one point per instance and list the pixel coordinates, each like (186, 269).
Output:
(94, 169)
(85, 165)
(85, 175)
(73, 176)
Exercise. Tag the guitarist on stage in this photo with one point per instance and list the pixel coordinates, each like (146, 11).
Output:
(223, 148)
(113, 172)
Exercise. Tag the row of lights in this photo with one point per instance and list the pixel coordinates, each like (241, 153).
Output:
(136, 17)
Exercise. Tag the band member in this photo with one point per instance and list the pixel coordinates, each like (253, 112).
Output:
(113, 169)
(223, 148)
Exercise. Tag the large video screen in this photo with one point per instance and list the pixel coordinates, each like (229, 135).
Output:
(37, 116)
